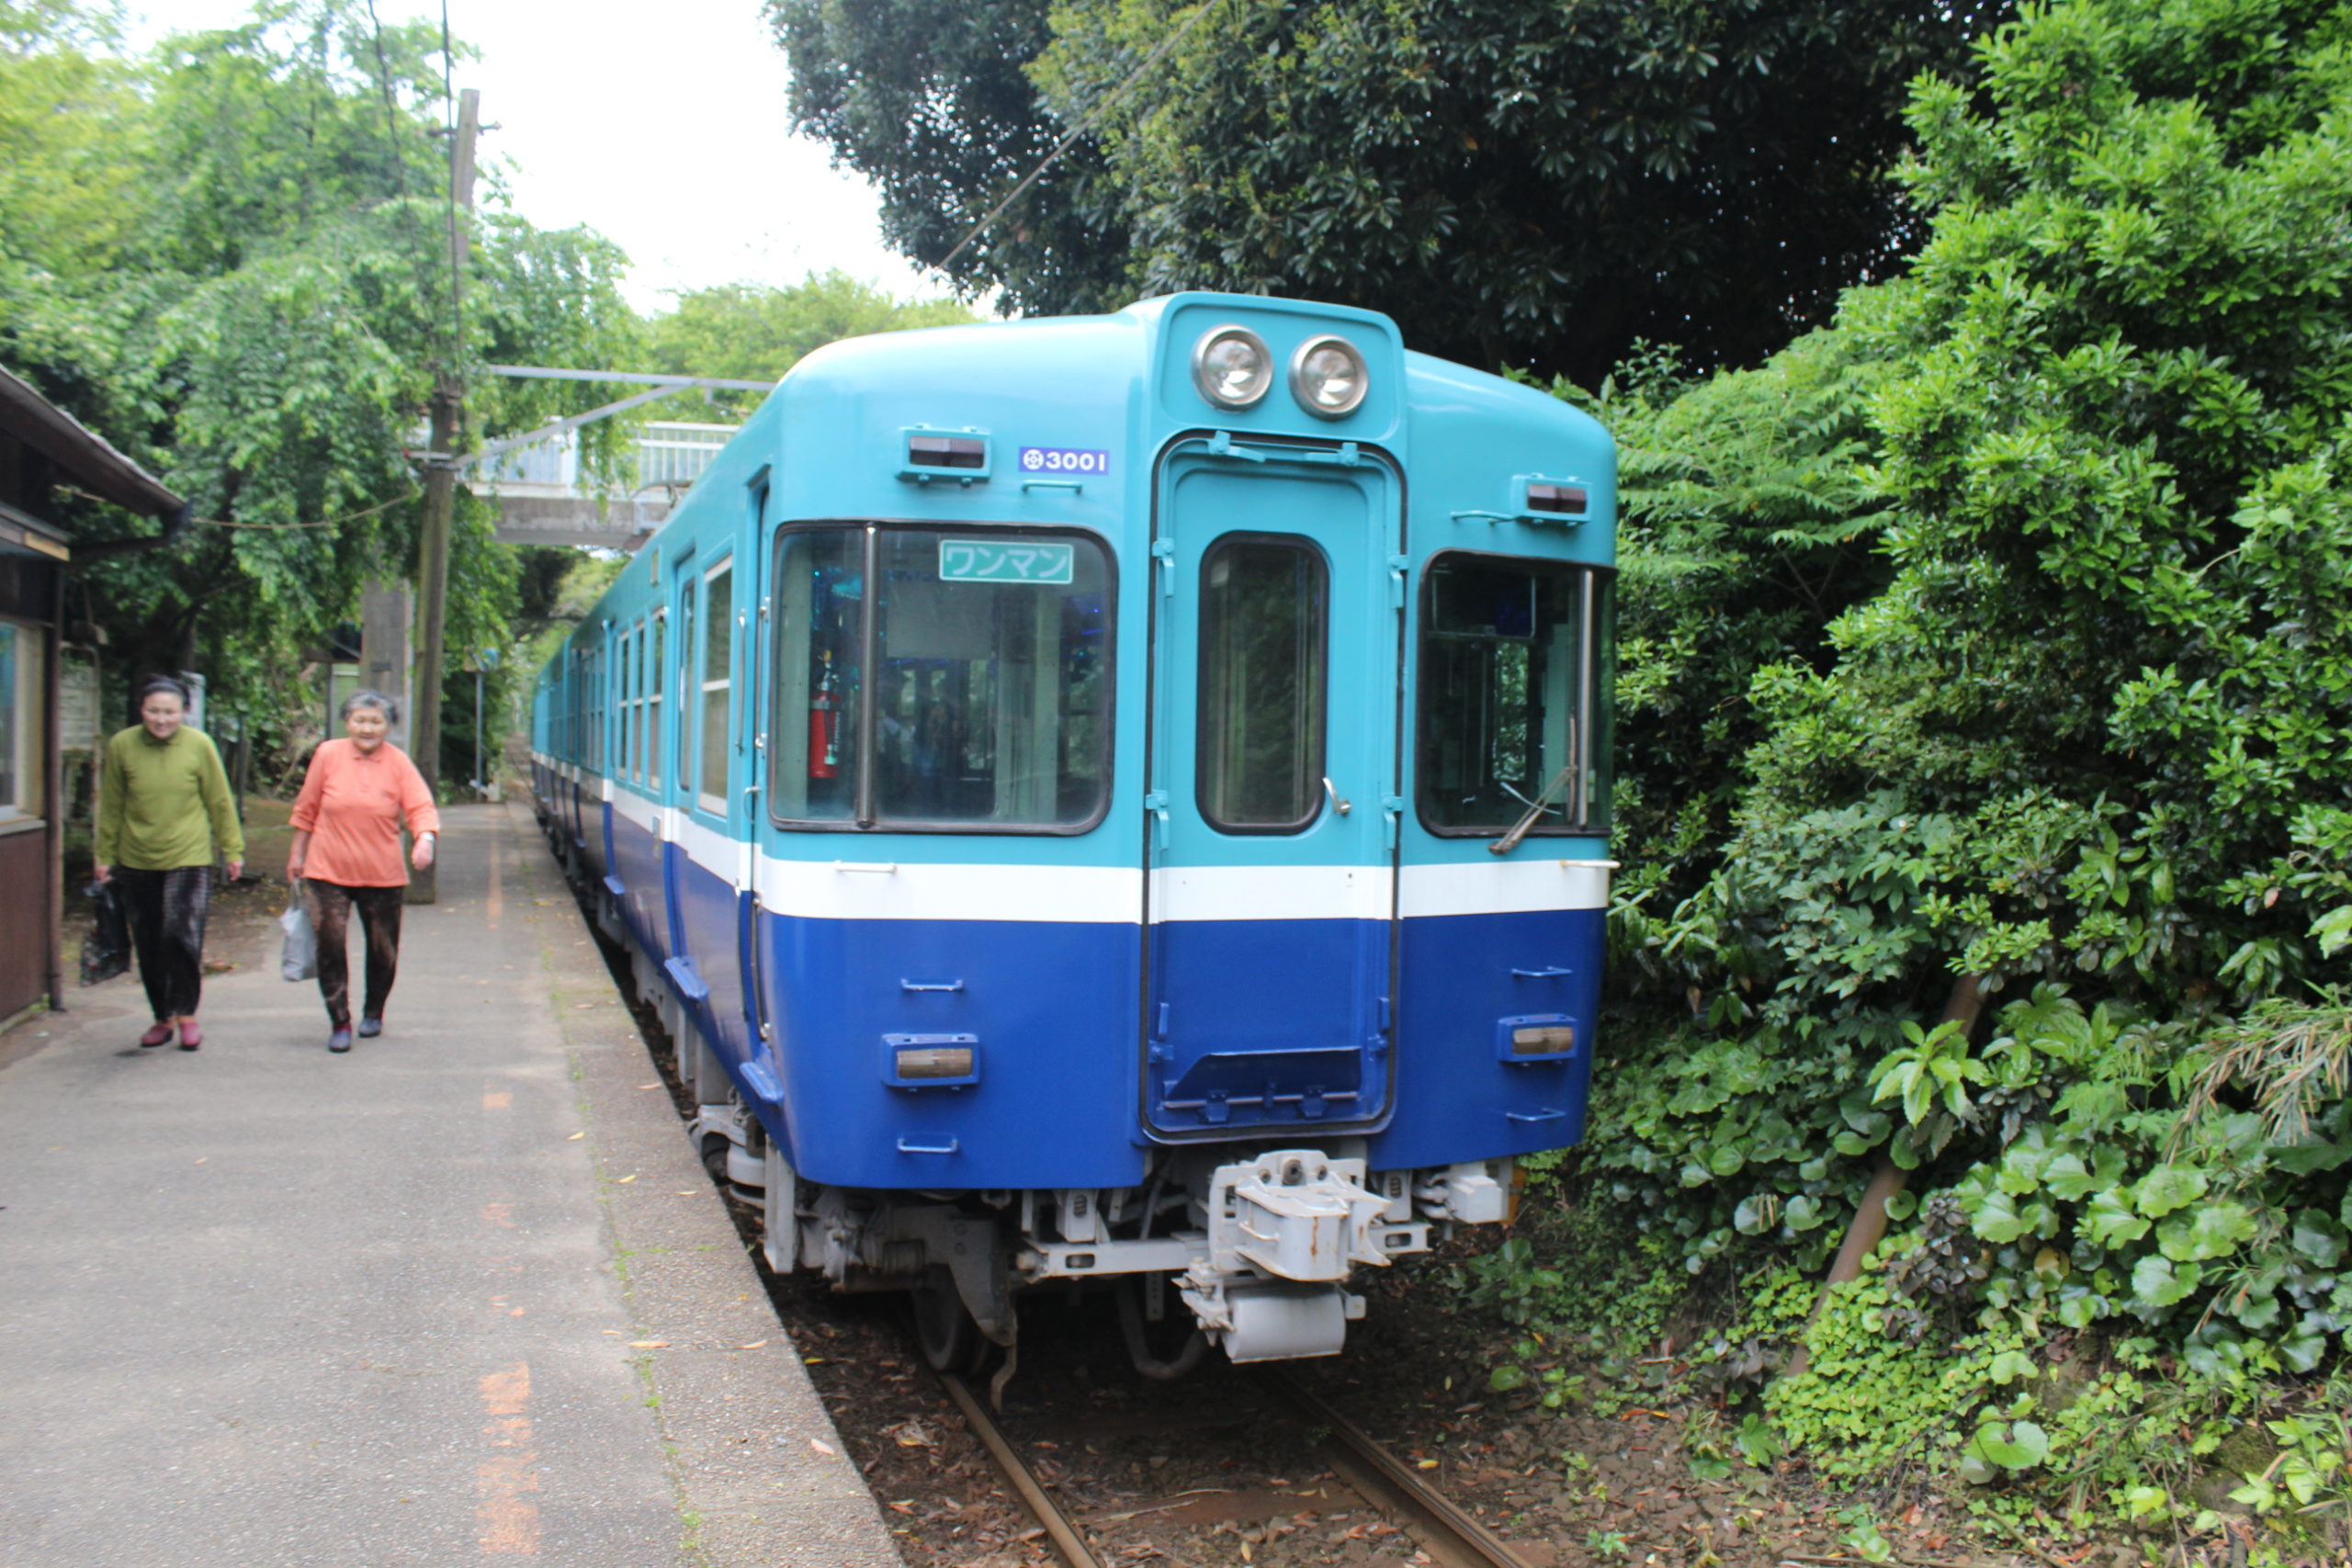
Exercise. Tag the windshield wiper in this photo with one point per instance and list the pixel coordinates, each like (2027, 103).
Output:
(1536, 808)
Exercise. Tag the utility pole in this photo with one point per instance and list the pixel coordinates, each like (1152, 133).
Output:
(441, 475)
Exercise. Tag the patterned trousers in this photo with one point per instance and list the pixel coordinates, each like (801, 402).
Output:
(330, 904)
(166, 910)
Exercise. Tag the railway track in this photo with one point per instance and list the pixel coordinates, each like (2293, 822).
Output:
(1381, 1482)
(1444, 1532)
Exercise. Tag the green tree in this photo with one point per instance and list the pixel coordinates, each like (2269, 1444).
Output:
(1532, 185)
(63, 198)
(933, 105)
(754, 332)
(1517, 184)
(260, 316)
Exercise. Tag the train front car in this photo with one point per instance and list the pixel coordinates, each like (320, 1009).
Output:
(1169, 843)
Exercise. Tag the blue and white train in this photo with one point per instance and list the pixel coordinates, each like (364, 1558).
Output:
(1121, 797)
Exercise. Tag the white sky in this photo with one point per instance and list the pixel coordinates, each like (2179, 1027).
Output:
(662, 127)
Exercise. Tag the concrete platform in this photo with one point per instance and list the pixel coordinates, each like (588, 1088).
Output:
(463, 1294)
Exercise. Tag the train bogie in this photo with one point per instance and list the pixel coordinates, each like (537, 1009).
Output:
(1123, 797)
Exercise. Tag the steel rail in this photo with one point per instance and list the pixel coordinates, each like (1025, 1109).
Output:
(1033, 1496)
(1447, 1533)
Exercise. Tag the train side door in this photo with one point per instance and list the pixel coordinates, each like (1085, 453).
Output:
(1270, 834)
(751, 641)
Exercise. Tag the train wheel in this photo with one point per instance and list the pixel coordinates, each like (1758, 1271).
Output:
(1164, 1350)
(949, 1339)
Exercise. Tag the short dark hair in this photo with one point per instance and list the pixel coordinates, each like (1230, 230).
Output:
(368, 697)
(165, 685)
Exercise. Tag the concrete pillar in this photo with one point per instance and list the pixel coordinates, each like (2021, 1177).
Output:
(385, 611)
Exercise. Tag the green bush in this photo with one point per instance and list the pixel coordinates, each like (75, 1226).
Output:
(2078, 742)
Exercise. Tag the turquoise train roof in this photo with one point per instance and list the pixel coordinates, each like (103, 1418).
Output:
(1090, 402)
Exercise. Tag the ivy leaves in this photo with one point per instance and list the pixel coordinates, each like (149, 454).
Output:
(1932, 1073)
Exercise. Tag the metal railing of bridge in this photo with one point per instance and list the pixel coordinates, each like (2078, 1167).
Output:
(669, 453)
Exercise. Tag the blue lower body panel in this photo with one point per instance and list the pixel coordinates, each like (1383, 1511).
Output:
(1266, 1026)
(637, 865)
(1049, 1012)
(1467, 982)
(709, 916)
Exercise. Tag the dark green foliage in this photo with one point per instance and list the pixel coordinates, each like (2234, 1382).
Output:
(1749, 521)
(2097, 726)
(933, 104)
(2079, 733)
(1532, 185)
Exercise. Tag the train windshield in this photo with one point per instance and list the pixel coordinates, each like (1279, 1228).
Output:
(942, 679)
(1514, 696)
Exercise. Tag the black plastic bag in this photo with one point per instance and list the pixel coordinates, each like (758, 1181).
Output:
(105, 952)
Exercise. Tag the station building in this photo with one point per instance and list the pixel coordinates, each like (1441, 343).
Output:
(43, 448)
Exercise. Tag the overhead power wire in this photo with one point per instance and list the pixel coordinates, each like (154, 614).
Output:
(1081, 128)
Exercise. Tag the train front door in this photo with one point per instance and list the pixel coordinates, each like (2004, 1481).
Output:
(1273, 789)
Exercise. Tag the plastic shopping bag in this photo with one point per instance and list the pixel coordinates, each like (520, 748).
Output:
(105, 952)
(300, 960)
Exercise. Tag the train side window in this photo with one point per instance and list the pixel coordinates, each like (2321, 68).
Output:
(624, 721)
(653, 678)
(1264, 606)
(818, 617)
(681, 678)
(715, 688)
(1514, 696)
(601, 691)
(636, 702)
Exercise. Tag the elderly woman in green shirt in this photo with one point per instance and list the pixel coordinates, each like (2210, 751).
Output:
(164, 812)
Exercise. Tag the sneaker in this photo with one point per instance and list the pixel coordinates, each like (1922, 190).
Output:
(159, 1035)
(370, 1027)
(339, 1041)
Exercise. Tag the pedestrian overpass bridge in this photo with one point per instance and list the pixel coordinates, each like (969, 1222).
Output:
(544, 499)
(544, 496)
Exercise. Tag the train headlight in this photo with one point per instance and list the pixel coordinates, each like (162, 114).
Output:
(1327, 377)
(1232, 367)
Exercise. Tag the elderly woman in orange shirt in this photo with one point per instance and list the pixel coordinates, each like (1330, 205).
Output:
(346, 855)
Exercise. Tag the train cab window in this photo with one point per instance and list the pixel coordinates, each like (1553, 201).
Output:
(716, 689)
(1264, 604)
(1514, 696)
(988, 708)
(819, 589)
